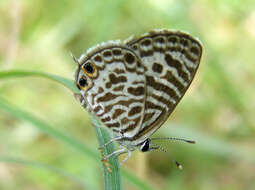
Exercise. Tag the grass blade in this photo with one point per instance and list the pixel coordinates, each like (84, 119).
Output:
(19, 73)
(112, 179)
(102, 134)
(77, 180)
(45, 127)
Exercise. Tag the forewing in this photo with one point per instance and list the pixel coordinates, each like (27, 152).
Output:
(117, 96)
(171, 59)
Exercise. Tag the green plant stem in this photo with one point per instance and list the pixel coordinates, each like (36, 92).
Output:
(112, 179)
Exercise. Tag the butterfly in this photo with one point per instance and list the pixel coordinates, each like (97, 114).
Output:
(133, 86)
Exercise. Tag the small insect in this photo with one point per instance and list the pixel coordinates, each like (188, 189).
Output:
(133, 86)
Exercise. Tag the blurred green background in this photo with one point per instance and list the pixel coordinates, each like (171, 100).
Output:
(218, 111)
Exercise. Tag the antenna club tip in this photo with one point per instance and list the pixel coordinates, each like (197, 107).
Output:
(191, 142)
(180, 167)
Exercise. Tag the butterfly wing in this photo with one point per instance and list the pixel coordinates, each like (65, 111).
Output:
(171, 59)
(117, 93)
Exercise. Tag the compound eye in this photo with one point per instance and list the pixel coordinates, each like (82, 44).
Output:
(83, 82)
(145, 146)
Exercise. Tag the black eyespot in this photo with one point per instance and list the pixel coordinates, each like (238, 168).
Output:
(83, 82)
(89, 68)
(145, 146)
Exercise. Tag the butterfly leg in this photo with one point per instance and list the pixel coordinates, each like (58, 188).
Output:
(110, 141)
(117, 153)
(128, 156)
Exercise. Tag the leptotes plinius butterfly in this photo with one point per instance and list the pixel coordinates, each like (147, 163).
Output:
(133, 86)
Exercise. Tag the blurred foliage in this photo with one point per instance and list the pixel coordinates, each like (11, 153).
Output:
(217, 111)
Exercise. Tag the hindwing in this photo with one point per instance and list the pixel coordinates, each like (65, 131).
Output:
(117, 94)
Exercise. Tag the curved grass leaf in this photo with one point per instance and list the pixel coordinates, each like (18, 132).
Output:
(46, 128)
(47, 167)
(112, 180)
(19, 73)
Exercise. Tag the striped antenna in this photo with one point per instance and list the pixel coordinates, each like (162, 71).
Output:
(179, 166)
(175, 139)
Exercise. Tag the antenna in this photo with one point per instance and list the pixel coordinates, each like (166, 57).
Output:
(175, 139)
(179, 166)
(74, 58)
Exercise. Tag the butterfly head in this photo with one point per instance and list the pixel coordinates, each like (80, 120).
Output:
(146, 146)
